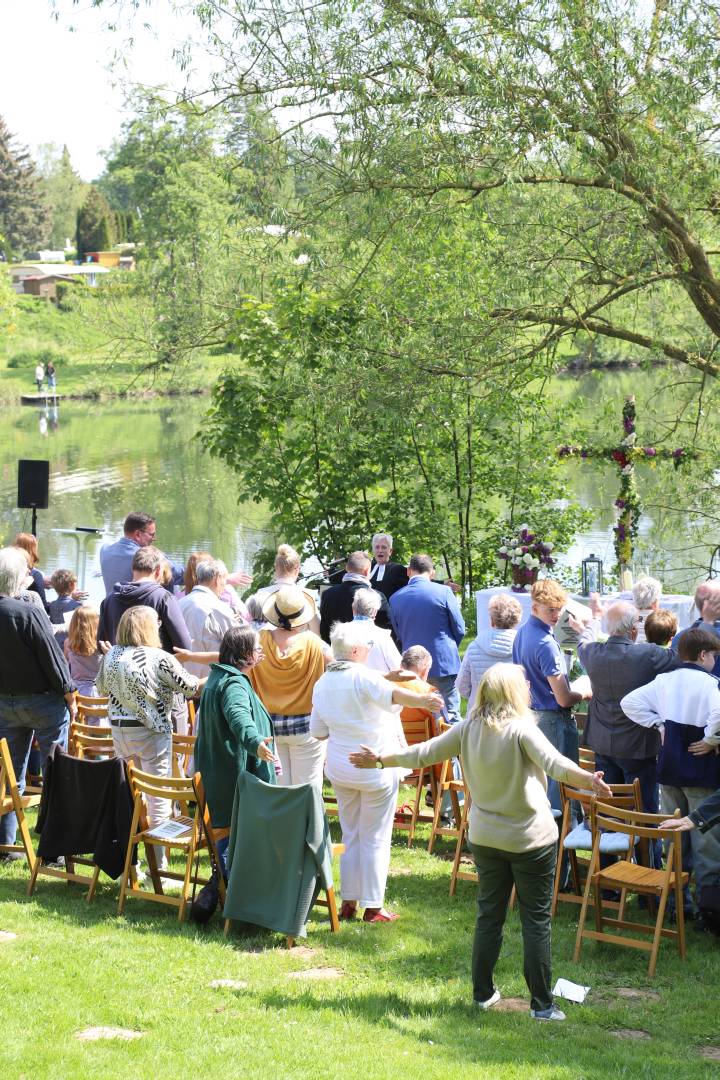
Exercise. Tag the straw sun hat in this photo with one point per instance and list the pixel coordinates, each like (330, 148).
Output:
(289, 607)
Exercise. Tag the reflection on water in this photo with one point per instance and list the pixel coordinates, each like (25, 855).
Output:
(108, 459)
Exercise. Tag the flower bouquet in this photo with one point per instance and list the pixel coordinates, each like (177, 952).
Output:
(525, 553)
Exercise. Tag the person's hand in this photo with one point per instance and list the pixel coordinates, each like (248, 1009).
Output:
(80, 594)
(701, 747)
(596, 605)
(71, 702)
(677, 824)
(587, 696)
(366, 758)
(239, 577)
(575, 624)
(599, 785)
(400, 676)
(433, 702)
(104, 647)
(265, 751)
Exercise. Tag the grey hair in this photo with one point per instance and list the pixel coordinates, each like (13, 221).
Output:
(382, 536)
(345, 636)
(13, 570)
(357, 562)
(646, 592)
(621, 618)
(209, 570)
(415, 657)
(367, 602)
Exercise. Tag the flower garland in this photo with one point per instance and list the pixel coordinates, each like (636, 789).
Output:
(625, 456)
(525, 554)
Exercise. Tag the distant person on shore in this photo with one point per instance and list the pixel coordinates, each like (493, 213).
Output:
(51, 376)
(39, 377)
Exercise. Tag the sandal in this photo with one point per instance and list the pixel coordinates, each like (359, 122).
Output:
(373, 915)
(403, 813)
(348, 910)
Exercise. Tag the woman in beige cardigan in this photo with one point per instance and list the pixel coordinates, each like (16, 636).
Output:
(511, 830)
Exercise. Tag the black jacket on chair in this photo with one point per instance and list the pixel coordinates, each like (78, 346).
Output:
(336, 606)
(86, 809)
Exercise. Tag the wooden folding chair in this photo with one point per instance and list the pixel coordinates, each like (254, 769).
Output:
(92, 709)
(631, 877)
(12, 802)
(586, 759)
(90, 741)
(329, 903)
(572, 840)
(447, 783)
(183, 832)
(192, 721)
(417, 729)
(182, 751)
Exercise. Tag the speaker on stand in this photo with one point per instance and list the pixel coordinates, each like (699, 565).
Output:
(33, 487)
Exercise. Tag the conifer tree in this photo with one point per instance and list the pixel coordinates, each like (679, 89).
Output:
(24, 213)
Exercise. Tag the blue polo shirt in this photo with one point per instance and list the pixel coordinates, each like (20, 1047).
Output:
(537, 650)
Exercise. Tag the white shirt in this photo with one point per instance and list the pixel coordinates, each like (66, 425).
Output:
(352, 708)
(384, 655)
(207, 617)
(688, 696)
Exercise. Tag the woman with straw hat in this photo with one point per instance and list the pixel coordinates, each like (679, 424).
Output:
(284, 679)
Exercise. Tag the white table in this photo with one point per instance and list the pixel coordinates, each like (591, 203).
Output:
(682, 606)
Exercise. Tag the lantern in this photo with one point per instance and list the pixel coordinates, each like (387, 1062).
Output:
(592, 575)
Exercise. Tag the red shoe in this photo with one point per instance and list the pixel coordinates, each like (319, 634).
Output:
(348, 910)
(379, 915)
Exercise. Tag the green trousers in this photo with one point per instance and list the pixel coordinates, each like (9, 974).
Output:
(532, 873)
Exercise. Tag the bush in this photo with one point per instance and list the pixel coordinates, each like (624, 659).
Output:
(31, 357)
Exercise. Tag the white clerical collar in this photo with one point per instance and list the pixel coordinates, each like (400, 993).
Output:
(378, 571)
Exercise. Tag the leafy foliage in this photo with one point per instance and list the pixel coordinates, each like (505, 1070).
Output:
(24, 213)
(64, 190)
(95, 224)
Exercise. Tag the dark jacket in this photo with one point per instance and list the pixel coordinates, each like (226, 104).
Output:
(233, 722)
(280, 855)
(86, 809)
(336, 606)
(707, 814)
(173, 630)
(394, 578)
(38, 586)
(31, 661)
(616, 667)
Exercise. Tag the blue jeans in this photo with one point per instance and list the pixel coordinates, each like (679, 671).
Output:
(559, 727)
(21, 717)
(624, 771)
(446, 685)
(222, 846)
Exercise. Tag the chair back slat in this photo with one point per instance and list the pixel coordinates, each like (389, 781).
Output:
(161, 787)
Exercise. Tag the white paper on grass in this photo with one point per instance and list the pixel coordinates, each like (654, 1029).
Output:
(571, 991)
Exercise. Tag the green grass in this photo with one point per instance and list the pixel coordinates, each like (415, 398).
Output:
(88, 361)
(400, 1009)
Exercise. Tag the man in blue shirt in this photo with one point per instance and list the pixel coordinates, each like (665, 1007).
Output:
(551, 698)
(425, 613)
(707, 601)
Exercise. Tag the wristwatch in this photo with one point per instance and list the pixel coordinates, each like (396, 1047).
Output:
(379, 764)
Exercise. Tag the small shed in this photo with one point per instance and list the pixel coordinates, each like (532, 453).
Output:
(41, 285)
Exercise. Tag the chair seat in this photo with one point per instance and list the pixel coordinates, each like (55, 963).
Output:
(580, 839)
(627, 875)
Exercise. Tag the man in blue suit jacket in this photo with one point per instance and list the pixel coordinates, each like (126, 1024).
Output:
(424, 613)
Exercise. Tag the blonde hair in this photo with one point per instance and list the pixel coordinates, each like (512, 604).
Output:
(82, 631)
(503, 695)
(287, 560)
(139, 626)
(548, 591)
(505, 612)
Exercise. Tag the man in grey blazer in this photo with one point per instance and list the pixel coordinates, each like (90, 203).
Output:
(623, 750)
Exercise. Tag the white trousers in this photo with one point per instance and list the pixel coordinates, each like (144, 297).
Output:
(366, 818)
(302, 759)
(150, 751)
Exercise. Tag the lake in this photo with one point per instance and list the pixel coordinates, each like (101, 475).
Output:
(112, 457)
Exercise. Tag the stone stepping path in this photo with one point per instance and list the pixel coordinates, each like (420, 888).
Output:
(511, 1005)
(632, 993)
(229, 984)
(711, 1053)
(96, 1034)
(631, 1033)
(7, 935)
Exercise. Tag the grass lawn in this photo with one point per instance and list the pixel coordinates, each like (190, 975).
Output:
(397, 1004)
(88, 362)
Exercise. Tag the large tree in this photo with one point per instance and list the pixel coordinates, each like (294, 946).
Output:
(64, 190)
(585, 128)
(24, 213)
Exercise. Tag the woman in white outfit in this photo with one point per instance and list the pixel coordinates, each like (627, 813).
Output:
(384, 656)
(353, 705)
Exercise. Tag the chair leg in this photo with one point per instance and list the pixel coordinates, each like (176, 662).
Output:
(658, 932)
(34, 875)
(416, 808)
(93, 885)
(290, 942)
(226, 928)
(436, 820)
(583, 914)
(598, 908)
(332, 908)
(26, 838)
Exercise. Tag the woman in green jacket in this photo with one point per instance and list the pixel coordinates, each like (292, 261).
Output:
(234, 731)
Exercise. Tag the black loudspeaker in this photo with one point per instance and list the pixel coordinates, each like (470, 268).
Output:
(33, 484)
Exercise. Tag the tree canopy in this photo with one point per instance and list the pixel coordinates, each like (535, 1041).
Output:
(24, 212)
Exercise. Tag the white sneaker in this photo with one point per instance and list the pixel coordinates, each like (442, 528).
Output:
(492, 1000)
(553, 1013)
